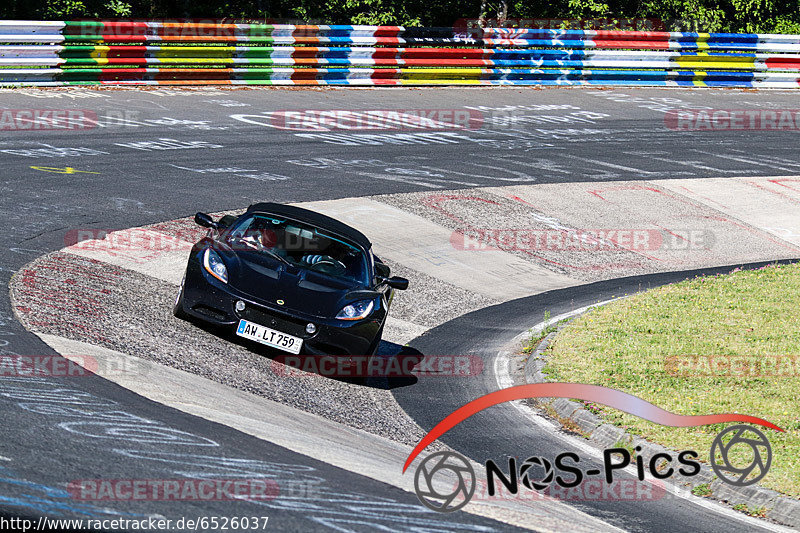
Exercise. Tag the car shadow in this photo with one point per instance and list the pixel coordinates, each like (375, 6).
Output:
(405, 359)
(394, 368)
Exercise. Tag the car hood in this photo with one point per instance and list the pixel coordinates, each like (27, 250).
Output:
(268, 281)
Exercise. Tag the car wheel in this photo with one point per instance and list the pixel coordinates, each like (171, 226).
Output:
(177, 309)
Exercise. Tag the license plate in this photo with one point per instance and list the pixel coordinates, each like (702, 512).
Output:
(270, 337)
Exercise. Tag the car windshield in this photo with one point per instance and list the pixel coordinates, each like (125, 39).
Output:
(300, 245)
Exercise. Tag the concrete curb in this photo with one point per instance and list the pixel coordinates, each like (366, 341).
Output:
(781, 509)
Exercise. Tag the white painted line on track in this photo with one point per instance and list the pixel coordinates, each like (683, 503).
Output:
(504, 380)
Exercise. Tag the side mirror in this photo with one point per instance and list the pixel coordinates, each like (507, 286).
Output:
(382, 270)
(396, 282)
(202, 219)
(226, 221)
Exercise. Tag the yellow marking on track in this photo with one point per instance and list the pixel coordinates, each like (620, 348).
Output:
(65, 170)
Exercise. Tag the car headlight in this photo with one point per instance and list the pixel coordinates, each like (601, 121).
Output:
(213, 264)
(355, 311)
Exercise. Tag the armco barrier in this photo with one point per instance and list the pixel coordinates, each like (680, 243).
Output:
(160, 53)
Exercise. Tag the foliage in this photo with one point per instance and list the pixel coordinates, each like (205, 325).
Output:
(703, 490)
(780, 16)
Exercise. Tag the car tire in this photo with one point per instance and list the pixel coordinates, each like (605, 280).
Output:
(177, 309)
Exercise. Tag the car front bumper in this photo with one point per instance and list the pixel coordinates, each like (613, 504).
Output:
(212, 301)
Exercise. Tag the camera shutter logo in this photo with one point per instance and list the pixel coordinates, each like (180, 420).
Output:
(741, 436)
(525, 473)
(455, 482)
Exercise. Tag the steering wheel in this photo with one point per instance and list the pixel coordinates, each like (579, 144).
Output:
(328, 265)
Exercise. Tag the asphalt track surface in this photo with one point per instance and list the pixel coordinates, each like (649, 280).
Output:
(205, 159)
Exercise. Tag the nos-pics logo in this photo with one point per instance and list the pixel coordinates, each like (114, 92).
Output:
(446, 481)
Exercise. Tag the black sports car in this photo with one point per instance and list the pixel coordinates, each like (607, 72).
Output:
(291, 279)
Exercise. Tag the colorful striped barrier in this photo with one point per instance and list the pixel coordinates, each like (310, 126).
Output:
(125, 53)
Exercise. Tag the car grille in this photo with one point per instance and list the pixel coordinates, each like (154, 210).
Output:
(216, 314)
(271, 319)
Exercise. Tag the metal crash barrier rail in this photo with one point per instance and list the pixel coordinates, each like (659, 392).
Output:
(162, 53)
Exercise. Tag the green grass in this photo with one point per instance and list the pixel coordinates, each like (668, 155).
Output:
(535, 338)
(625, 346)
(760, 512)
